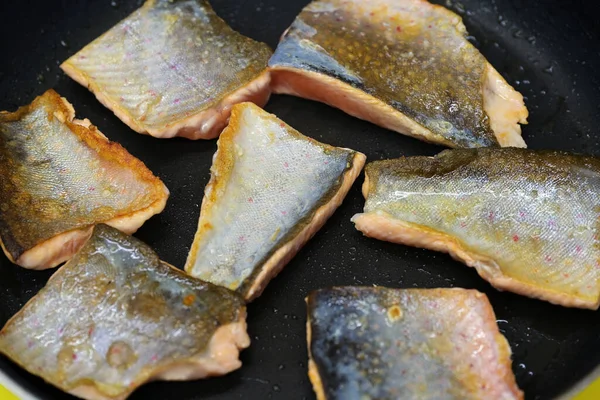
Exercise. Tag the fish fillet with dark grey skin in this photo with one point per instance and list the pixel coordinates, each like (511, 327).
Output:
(379, 343)
(173, 68)
(58, 177)
(405, 65)
(270, 191)
(115, 317)
(526, 220)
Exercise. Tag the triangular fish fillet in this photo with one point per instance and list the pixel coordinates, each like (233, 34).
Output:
(405, 65)
(379, 343)
(173, 68)
(270, 191)
(115, 317)
(526, 220)
(58, 177)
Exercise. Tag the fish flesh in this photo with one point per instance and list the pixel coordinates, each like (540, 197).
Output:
(173, 68)
(115, 317)
(526, 220)
(380, 343)
(271, 190)
(59, 176)
(405, 65)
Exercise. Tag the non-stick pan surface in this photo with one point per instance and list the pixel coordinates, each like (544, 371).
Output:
(548, 50)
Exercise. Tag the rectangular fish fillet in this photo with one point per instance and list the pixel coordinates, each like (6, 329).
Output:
(270, 191)
(405, 65)
(115, 317)
(173, 68)
(379, 343)
(58, 177)
(526, 220)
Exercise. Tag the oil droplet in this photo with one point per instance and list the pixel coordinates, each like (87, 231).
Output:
(276, 388)
(114, 4)
(394, 313)
(63, 43)
(281, 367)
(522, 366)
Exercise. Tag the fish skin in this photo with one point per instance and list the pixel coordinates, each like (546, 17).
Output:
(115, 317)
(405, 65)
(59, 176)
(271, 189)
(526, 220)
(173, 68)
(380, 343)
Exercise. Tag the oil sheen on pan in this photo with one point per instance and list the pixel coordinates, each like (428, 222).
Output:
(270, 191)
(526, 220)
(405, 65)
(58, 177)
(115, 317)
(173, 68)
(379, 343)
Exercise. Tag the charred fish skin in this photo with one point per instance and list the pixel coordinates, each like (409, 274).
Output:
(271, 189)
(526, 220)
(115, 316)
(406, 58)
(380, 343)
(173, 68)
(59, 176)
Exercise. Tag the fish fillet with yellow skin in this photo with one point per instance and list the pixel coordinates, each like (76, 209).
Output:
(173, 68)
(58, 177)
(405, 65)
(526, 220)
(379, 343)
(270, 191)
(115, 317)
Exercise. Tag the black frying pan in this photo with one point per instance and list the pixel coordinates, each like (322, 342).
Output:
(548, 50)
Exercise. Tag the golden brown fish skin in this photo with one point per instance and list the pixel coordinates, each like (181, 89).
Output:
(58, 177)
(262, 165)
(380, 343)
(404, 65)
(173, 68)
(115, 317)
(526, 220)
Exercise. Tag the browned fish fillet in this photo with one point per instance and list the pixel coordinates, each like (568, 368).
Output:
(271, 190)
(173, 68)
(405, 65)
(379, 343)
(115, 317)
(58, 177)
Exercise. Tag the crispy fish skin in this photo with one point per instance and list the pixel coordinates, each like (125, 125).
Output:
(59, 176)
(115, 317)
(526, 220)
(379, 343)
(271, 190)
(173, 68)
(405, 65)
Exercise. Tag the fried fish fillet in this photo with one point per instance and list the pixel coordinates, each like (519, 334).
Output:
(526, 220)
(405, 65)
(378, 343)
(58, 177)
(270, 191)
(173, 68)
(115, 317)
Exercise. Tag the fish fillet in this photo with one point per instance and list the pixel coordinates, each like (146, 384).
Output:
(115, 317)
(379, 343)
(405, 65)
(526, 220)
(270, 191)
(173, 68)
(58, 177)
